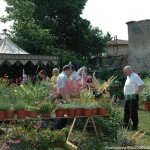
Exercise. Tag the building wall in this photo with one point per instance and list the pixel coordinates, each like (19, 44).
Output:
(117, 50)
(139, 45)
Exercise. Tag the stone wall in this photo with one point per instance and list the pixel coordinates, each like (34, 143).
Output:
(117, 50)
(139, 45)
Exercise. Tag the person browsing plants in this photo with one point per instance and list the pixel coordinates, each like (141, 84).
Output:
(132, 87)
(63, 88)
(55, 76)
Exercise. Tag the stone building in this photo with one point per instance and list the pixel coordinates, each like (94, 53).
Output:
(117, 47)
(139, 45)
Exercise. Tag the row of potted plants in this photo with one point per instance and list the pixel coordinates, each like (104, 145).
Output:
(29, 100)
(23, 110)
(75, 109)
(25, 100)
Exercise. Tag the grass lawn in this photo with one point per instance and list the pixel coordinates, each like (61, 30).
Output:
(144, 122)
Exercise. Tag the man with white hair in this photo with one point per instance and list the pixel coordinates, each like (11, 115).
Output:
(132, 87)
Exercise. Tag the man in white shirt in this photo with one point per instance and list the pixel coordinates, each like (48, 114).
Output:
(132, 87)
(63, 90)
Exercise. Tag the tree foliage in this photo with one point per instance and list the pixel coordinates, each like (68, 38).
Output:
(25, 32)
(55, 27)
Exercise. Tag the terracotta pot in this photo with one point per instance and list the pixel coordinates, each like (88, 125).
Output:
(60, 112)
(79, 112)
(82, 110)
(32, 114)
(46, 115)
(59, 144)
(2, 115)
(71, 112)
(10, 114)
(95, 111)
(147, 106)
(88, 112)
(21, 114)
(103, 112)
(27, 113)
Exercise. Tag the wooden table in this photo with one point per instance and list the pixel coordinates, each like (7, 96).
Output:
(83, 131)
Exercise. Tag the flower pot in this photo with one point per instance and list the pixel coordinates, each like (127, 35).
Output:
(103, 112)
(32, 114)
(46, 115)
(21, 114)
(95, 111)
(79, 112)
(147, 106)
(2, 115)
(82, 111)
(59, 144)
(60, 112)
(27, 113)
(88, 112)
(71, 112)
(10, 114)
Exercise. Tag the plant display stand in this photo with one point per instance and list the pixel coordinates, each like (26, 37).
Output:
(84, 129)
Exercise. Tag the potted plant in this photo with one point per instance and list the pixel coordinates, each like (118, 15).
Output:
(147, 102)
(45, 108)
(88, 109)
(104, 105)
(20, 109)
(33, 111)
(2, 109)
(10, 111)
(79, 110)
(60, 110)
(71, 110)
(95, 108)
(145, 94)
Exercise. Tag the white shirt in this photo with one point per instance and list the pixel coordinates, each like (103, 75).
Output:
(61, 80)
(75, 75)
(132, 81)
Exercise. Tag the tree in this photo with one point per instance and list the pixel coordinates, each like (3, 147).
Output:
(55, 27)
(25, 32)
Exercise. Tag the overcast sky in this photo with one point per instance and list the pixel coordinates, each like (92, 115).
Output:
(108, 15)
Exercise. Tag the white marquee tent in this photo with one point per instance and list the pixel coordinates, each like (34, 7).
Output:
(10, 53)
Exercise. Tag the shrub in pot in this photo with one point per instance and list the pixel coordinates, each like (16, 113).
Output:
(33, 111)
(88, 110)
(95, 108)
(10, 111)
(2, 109)
(104, 105)
(71, 110)
(79, 109)
(60, 110)
(20, 109)
(147, 103)
(45, 108)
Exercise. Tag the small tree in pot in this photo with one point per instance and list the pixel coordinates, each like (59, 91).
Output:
(45, 108)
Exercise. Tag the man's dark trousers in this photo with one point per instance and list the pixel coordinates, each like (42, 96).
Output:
(131, 111)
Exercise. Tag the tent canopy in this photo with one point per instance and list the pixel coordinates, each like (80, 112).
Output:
(8, 47)
(10, 53)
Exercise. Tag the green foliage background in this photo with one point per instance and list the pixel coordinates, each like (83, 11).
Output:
(55, 28)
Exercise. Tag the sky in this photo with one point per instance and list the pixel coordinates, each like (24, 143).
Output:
(109, 15)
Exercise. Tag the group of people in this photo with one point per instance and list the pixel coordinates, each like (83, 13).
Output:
(69, 82)
(66, 85)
